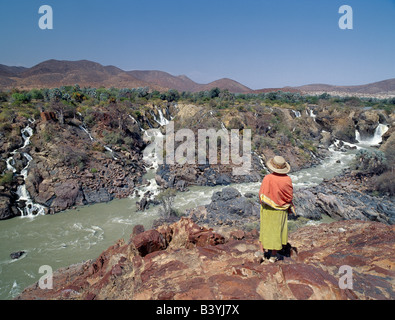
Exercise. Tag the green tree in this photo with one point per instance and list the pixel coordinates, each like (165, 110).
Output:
(21, 97)
(172, 95)
(214, 92)
(37, 94)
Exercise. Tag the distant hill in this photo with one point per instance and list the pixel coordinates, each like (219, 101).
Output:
(56, 73)
(381, 87)
(225, 83)
(285, 89)
(165, 80)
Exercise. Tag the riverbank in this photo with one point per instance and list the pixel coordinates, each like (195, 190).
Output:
(184, 261)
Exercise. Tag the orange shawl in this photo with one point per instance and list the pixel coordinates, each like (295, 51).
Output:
(277, 192)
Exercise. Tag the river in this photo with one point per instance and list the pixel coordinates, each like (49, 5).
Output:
(74, 236)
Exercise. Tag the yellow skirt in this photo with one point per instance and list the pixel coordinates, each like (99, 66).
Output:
(274, 228)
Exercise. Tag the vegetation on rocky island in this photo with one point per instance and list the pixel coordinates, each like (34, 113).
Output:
(92, 138)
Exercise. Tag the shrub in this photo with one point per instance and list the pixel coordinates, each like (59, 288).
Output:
(21, 97)
(385, 183)
(73, 158)
(6, 178)
(3, 97)
(370, 161)
(112, 138)
(5, 126)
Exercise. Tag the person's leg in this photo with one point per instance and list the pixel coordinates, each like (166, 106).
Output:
(261, 231)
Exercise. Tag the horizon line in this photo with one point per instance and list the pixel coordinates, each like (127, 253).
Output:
(184, 75)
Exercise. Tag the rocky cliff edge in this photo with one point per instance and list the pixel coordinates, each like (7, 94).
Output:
(185, 261)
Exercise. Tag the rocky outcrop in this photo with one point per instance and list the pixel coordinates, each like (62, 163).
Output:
(341, 198)
(48, 116)
(367, 123)
(181, 176)
(8, 208)
(228, 207)
(70, 169)
(345, 197)
(186, 262)
(69, 165)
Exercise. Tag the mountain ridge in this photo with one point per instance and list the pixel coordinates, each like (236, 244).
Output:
(55, 73)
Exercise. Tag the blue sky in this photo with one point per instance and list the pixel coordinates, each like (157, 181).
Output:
(256, 42)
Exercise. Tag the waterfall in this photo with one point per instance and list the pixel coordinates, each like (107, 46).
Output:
(150, 158)
(374, 140)
(86, 131)
(83, 128)
(162, 120)
(8, 162)
(111, 151)
(26, 135)
(296, 113)
(138, 123)
(31, 209)
(311, 114)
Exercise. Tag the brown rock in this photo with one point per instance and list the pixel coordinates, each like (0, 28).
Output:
(47, 116)
(229, 270)
(149, 241)
(137, 230)
(238, 234)
(67, 194)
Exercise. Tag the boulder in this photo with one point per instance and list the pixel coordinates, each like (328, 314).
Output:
(230, 203)
(7, 210)
(96, 196)
(48, 116)
(137, 230)
(67, 194)
(367, 123)
(17, 255)
(305, 204)
(148, 242)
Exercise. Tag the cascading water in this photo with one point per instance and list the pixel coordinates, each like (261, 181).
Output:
(111, 151)
(296, 113)
(86, 131)
(374, 140)
(83, 128)
(30, 209)
(311, 114)
(151, 189)
(162, 120)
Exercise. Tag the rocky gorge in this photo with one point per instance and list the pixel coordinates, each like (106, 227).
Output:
(96, 156)
(91, 156)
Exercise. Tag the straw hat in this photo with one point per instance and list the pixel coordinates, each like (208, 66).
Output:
(278, 165)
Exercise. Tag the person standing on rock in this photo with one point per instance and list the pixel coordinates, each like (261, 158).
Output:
(275, 196)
